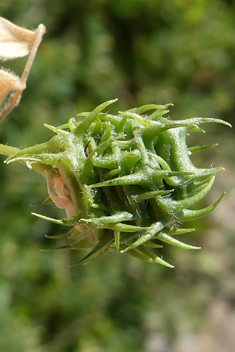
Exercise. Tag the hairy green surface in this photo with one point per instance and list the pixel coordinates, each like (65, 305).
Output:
(126, 181)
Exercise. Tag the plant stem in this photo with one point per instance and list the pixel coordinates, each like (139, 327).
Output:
(8, 150)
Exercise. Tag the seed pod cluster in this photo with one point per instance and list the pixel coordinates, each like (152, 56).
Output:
(126, 181)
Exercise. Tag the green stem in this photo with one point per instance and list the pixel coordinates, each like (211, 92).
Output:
(7, 150)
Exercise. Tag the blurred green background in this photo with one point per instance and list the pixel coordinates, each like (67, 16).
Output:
(140, 51)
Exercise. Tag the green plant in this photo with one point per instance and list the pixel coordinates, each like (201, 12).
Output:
(126, 181)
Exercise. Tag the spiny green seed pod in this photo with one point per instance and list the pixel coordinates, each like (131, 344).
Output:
(126, 181)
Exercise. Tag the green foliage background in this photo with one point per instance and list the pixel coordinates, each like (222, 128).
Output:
(140, 51)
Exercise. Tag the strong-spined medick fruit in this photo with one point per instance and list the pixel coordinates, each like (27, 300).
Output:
(126, 181)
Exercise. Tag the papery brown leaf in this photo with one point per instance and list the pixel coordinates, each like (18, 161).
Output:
(8, 82)
(15, 41)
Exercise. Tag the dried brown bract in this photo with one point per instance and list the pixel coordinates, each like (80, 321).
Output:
(16, 42)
